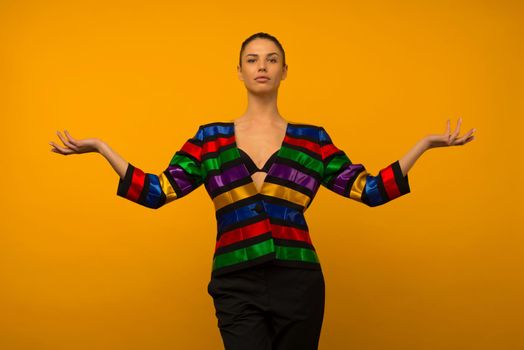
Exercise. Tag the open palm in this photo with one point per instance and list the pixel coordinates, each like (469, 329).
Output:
(448, 139)
(74, 146)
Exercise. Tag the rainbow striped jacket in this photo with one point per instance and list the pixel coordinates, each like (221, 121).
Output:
(254, 226)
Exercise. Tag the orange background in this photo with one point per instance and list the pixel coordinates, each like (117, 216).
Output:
(440, 268)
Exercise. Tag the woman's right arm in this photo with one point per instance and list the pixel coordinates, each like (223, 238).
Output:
(118, 163)
(182, 175)
(88, 145)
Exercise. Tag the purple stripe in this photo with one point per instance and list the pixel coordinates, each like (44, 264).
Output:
(348, 174)
(181, 179)
(288, 173)
(228, 176)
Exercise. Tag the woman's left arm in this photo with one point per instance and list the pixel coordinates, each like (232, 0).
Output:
(433, 141)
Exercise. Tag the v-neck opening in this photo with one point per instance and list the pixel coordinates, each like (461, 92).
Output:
(272, 158)
(253, 167)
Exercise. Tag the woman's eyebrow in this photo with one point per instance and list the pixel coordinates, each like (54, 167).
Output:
(269, 54)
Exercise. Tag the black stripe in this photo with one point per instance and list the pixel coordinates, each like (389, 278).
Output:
(243, 243)
(222, 189)
(217, 123)
(216, 154)
(195, 142)
(401, 180)
(251, 220)
(161, 200)
(298, 264)
(282, 202)
(188, 155)
(243, 265)
(293, 243)
(289, 184)
(288, 223)
(125, 183)
(307, 151)
(383, 194)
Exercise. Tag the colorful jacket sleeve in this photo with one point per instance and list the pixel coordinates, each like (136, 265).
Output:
(182, 176)
(353, 181)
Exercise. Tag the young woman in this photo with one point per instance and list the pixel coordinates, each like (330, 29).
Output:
(262, 172)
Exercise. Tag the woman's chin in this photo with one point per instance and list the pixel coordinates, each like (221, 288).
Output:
(262, 90)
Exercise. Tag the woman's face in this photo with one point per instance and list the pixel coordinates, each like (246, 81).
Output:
(261, 57)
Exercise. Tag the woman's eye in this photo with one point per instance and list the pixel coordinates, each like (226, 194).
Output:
(272, 60)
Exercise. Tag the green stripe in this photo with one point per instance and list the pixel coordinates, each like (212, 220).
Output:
(302, 158)
(215, 163)
(296, 253)
(188, 164)
(333, 167)
(243, 254)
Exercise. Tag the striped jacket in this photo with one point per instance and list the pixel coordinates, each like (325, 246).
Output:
(258, 226)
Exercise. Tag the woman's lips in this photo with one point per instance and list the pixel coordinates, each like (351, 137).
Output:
(262, 80)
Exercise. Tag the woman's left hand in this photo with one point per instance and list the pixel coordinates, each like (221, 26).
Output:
(448, 139)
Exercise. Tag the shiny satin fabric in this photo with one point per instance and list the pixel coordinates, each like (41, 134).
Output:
(255, 226)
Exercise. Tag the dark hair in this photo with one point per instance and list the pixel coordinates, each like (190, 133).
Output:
(262, 35)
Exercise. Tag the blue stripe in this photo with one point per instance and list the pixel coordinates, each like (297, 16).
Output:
(274, 211)
(199, 135)
(284, 213)
(324, 136)
(155, 191)
(372, 191)
(301, 130)
(212, 130)
(235, 216)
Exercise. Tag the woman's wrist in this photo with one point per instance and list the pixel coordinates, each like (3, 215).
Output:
(101, 147)
(426, 143)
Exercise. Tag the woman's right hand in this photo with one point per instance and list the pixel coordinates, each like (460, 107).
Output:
(74, 146)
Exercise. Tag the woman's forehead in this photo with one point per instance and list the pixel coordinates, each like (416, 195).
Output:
(261, 46)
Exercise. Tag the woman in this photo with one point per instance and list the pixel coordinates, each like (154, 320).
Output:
(262, 172)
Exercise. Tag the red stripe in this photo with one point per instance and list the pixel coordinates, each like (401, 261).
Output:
(287, 232)
(243, 233)
(328, 150)
(388, 178)
(137, 184)
(192, 149)
(312, 146)
(214, 145)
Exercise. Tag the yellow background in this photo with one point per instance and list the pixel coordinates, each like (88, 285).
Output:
(440, 268)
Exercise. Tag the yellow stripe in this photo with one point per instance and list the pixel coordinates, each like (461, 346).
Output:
(166, 187)
(234, 195)
(358, 186)
(274, 190)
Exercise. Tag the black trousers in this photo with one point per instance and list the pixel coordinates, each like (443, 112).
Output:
(269, 307)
